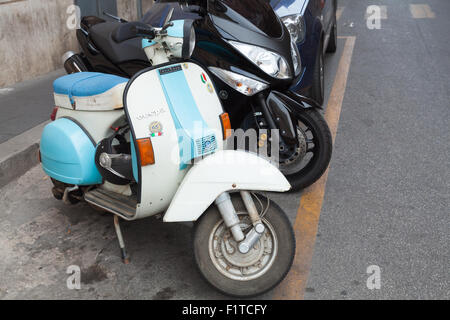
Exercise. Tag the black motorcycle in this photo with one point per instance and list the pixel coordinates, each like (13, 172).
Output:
(253, 62)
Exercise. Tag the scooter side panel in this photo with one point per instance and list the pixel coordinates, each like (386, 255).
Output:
(68, 154)
(226, 170)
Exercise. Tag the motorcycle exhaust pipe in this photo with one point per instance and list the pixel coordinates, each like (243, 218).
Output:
(73, 63)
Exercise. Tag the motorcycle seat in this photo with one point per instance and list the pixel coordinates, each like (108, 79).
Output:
(89, 91)
(101, 36)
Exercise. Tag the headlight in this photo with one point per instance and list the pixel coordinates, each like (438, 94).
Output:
(188, 39)
(192, 42)
(296, 58)
(244, 85)
(270, 62)
(296, 25)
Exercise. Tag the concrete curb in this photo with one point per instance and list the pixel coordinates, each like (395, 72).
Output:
(19, 154)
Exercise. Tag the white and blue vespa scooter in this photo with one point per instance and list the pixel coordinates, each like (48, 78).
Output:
(155, 145)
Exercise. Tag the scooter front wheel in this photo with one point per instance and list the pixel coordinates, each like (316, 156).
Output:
(244, 275)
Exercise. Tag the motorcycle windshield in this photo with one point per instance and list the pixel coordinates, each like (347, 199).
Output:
(158, 12)
(252, 14)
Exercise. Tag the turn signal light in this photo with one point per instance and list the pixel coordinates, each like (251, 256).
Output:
(226, 125)
(53, 115)
(146, 151)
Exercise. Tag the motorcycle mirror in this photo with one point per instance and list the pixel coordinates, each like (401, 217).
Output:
(193, 9)
(114, 17)
(169, 17)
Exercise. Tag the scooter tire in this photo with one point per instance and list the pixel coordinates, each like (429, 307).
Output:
(283, 258)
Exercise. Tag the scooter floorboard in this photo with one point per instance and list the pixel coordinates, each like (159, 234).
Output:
(113, 202)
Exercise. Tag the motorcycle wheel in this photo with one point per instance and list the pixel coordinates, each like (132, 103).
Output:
(244, 275)
(308, 160)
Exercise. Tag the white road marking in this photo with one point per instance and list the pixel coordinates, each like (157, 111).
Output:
(4, 91)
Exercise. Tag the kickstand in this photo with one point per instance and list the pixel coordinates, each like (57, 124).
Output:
(125, 257)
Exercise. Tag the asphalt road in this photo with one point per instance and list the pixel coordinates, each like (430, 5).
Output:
(387, 197)
(26, 105)
(386, 201)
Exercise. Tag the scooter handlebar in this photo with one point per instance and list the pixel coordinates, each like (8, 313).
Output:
(132, 30)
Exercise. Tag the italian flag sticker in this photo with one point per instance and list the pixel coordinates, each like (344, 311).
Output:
(204, 78)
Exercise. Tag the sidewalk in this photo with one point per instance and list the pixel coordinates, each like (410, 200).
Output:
(25, 108)
(26, 105)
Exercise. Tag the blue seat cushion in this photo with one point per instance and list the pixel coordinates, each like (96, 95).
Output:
(85, 84)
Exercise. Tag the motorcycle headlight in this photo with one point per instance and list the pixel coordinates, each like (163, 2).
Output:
(296, 59)
(296, 25)
(192, 42)
(244, 85)
(270, 62)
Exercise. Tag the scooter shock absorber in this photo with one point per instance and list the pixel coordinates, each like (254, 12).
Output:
(258, 227)
(229, 215)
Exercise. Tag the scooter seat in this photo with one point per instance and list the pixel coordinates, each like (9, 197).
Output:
(89, 91)
(129, 50)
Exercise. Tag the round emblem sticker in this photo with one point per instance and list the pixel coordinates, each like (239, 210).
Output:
(156, 129)
(210, 87)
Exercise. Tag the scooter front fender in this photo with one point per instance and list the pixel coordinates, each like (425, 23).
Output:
(226, 170)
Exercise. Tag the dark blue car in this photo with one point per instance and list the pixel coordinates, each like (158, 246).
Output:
(313, 26)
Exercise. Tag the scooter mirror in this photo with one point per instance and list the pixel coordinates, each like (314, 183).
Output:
(169, 16)
(215, 5)
(114, 17)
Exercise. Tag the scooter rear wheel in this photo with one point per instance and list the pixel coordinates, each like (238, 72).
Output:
(244, 275)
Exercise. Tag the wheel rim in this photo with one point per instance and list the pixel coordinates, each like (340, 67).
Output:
(310, 154)
(300, 151)
(304, 154)
(225, 255)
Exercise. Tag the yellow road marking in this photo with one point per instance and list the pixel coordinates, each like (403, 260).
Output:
(339, 12)
(421, 11)
(307, 221)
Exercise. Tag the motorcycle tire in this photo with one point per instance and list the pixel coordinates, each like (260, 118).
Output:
(323, 149)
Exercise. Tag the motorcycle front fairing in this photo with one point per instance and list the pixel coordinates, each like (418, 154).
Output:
(254, 23)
